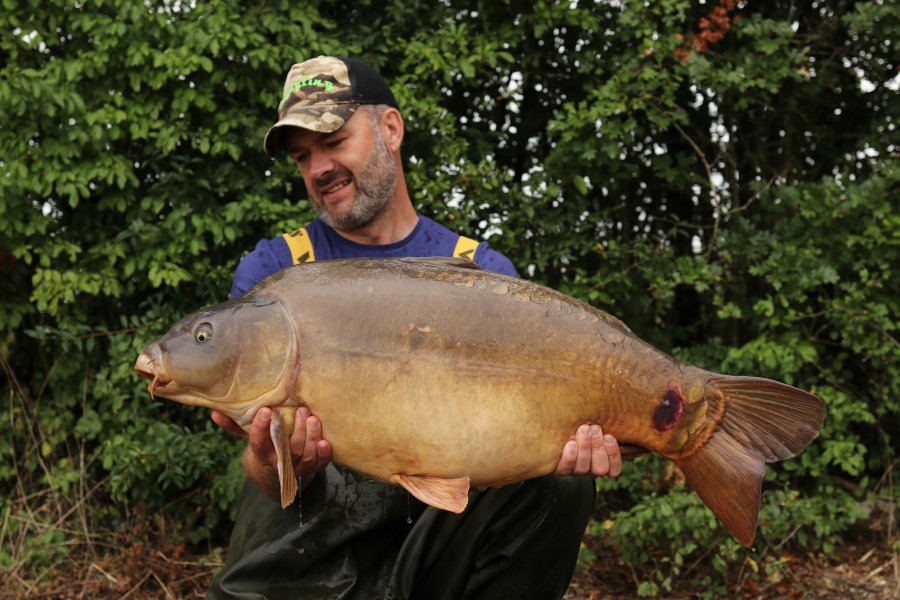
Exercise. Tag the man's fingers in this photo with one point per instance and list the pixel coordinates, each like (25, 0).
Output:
(599, 456)
(614, 455)
(323, 451)
(310, 452)
(260, 438)
(590, 451)
(310, 456)
(584, 443)
(567, 460)
(298, 436)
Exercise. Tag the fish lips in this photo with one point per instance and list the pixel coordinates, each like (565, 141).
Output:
(145, 367)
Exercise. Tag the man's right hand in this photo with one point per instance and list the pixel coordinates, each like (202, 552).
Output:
(309, 452)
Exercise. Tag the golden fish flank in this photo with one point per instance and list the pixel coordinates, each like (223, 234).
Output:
(415, 366)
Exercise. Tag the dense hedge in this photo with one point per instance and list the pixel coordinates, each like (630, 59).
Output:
(722, 177)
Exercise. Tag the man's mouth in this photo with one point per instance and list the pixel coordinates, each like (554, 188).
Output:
(333, 189)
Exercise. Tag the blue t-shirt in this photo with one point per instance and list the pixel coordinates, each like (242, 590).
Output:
(426, 239)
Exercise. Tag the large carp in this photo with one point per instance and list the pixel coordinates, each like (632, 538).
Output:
(435, 375)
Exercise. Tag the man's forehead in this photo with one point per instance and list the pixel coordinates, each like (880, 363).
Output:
(298, 137)
(295, 137)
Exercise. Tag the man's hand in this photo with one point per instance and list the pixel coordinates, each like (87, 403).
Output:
(309, 452)
(590, 452)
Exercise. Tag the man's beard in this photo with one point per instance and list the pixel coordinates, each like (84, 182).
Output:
(374, 187)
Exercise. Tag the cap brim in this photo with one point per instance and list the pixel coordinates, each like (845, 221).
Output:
(312, 118)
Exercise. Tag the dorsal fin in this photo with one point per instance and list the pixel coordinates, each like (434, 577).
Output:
(444, 261)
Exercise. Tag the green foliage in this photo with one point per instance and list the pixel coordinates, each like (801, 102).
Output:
(670, 537)
(735, 205)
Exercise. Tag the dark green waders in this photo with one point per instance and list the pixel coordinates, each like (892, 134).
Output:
(355, 538)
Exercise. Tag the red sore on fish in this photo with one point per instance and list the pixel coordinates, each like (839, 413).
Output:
(671, 407)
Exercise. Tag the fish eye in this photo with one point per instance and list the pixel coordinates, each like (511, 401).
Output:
(203, 333)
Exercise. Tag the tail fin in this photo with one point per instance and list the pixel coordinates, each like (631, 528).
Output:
(763, 421)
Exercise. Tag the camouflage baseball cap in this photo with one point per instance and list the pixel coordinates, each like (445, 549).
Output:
(322, 94)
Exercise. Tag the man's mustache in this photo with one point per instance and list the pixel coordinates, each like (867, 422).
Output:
(329, 179)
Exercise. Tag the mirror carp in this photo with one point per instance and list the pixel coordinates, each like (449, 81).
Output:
(438, 376)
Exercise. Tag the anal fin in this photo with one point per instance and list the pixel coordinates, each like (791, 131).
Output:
(439, 492)
(280, 429)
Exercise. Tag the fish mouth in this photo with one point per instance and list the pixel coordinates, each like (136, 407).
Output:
(146, 369)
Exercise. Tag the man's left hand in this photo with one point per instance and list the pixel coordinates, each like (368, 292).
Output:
(590, 451)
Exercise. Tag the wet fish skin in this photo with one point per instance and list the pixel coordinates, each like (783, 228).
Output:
(437, 376)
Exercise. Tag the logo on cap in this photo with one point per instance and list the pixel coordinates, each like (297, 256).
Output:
(305, 83)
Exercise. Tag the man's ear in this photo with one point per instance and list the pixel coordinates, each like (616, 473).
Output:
(392, 128)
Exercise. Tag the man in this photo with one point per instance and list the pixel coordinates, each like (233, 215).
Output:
(348, 536)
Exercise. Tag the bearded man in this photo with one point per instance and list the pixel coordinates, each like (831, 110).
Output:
(347, 536)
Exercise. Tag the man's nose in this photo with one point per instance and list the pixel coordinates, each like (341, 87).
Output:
(319, 164)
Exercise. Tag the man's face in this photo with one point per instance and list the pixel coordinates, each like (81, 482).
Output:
(350, 174)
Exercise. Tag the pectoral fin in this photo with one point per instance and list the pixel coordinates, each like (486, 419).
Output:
(280, 429)
(445, 494)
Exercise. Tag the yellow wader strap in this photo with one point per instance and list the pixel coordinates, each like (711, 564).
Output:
(465, 248)
(300, 246)
(302, 251)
